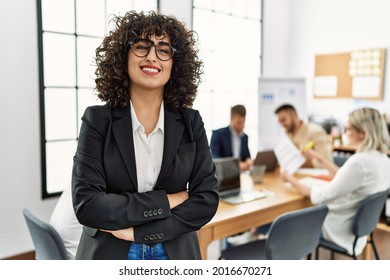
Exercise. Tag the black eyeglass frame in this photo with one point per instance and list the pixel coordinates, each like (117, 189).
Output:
(151, 44)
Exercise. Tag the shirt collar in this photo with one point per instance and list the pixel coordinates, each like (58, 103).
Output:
(136, 124)
(234, 132)
(160, 122)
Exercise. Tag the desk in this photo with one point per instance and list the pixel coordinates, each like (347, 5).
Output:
(382, 226)
(232, 219)
(347, 149)
(344, 148)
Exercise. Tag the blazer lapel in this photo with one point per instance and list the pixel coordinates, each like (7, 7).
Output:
(123, 133)
(228, 139)
(173, 131)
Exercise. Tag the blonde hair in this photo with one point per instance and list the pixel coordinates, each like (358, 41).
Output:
(372, 123)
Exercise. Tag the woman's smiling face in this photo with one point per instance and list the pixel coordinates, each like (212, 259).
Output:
(149, 72)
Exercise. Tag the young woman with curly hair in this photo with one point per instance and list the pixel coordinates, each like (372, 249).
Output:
(143, 178)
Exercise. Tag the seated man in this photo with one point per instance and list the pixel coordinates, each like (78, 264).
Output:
(231, 140)
(301, 133)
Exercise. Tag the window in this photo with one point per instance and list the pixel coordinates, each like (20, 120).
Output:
(69, 33)
(230, 47)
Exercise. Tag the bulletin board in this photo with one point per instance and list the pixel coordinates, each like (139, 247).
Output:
(356, 74)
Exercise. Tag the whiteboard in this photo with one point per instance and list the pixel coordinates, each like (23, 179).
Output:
(274, 92)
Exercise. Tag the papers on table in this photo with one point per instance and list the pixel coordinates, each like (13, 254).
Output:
(289, 157)
(314, 182)
(313, 171)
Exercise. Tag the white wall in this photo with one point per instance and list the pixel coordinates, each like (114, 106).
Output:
(20, 165)
(276, 34)
(181, 9)
(313, 27)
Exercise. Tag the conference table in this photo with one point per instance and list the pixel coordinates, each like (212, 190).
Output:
(231, 219)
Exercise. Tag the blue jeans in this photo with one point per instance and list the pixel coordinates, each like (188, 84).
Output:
(263, 229)
(141, 251)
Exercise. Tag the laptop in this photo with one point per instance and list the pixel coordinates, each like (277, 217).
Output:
(228, 175)
(267, 158)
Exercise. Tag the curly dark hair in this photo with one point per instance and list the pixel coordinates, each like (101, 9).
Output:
(113, 82)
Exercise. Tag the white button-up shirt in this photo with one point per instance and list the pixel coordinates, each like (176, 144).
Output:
(148, 150)
(236, 142)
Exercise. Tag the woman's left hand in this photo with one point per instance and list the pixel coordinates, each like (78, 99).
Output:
(124, 234)
(303, 189)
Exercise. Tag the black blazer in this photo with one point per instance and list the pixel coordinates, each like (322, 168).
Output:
(221, 144)
(104, 182)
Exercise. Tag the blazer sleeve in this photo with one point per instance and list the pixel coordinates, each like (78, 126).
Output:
(245, 148)
(203, 196)
(94, 205)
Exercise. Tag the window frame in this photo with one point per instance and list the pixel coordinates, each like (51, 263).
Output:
(79, 89)
(210, 92)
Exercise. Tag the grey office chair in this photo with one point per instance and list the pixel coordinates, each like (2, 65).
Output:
(292, 236)
(47, 242)
(364, 223)
(339, 158)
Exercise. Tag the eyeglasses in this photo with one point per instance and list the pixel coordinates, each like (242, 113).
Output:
(141, 48)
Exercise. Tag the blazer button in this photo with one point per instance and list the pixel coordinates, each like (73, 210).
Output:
(155, 213)
(146, 238)
(146, 214)
(150, 213)
(159, 211)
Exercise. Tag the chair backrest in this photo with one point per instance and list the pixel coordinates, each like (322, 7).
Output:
(47, 242)
(339, 159)
(296, 234)
(368, 213)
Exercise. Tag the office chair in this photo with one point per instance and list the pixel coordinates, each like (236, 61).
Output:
(292, 236)
(47, 242)
(364, 223)
(340, 158)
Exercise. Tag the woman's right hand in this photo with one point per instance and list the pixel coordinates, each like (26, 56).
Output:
(176, 199)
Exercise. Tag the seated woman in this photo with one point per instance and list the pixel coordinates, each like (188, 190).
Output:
(64, 220)
(364, 173)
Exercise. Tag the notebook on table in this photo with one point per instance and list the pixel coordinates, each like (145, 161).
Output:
(228, 175)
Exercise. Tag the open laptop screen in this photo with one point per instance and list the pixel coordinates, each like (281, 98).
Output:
(228, 173)
(268, 158)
